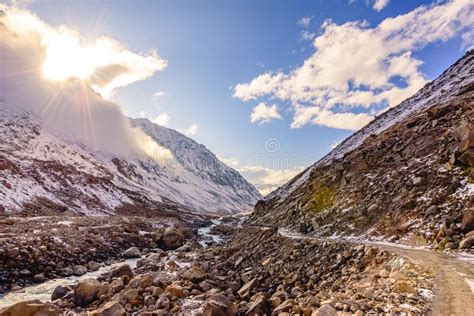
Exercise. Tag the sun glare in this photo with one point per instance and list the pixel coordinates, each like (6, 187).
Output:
(65, 59)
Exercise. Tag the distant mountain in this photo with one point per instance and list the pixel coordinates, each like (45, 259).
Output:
(43, 173)
(406, 173)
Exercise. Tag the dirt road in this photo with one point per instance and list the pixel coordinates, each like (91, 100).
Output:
(453, 275)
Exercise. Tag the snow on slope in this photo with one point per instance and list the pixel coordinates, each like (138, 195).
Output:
(448, 85)
(36, 165)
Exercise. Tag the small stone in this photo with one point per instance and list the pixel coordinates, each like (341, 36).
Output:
(132, 252)
(38, 278)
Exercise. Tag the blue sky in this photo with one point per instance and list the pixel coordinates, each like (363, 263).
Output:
(212, 46)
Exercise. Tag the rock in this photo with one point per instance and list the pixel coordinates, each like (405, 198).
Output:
(286, 306)
(174, 290)
(219, 305)
(467, 242)
(141, 281)
(403, 287)
(38, 278)
(245, 290)
(13, 252)
(60, 292)
(432, 210)
(87, 291)
(195, 274)
(30, 308)
(260, 306)
(132, 252)
(112, 308)
(467, 223)
(79, 270)
(94, 266)
(172, 238)
(123, 270)
(417, 181)
(467, 157)
(131, 297)
(117, 285)
(325, 310)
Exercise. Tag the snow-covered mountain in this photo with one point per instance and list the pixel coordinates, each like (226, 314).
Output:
(42, 173)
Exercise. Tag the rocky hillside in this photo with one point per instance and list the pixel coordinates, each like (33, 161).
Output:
(406, 175)
(41, 174)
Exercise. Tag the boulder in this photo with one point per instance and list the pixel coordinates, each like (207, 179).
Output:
(60, 292)
(87, 291)
(219, 305)
(174, 290)
(132, 252)
(141, 281)
(112, 308)
(467, 242)
(93, 266)
(172, 238)
(467, 223)
(79, 270)
(195, 274)
(131, 297)
(30, 308)
(123, 270)
(325, 310)
(467, 158)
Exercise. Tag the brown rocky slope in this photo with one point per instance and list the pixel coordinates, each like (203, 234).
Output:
(413, 180)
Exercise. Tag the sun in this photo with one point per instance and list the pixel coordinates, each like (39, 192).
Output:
(66, 58)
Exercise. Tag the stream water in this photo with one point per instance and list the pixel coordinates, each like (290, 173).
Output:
(44, 290)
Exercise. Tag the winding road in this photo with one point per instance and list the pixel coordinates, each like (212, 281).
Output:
(453, 275)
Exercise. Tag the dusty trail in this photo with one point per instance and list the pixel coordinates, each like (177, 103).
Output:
(453, 276)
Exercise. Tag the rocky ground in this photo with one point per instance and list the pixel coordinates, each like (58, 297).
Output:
(33, 250)
(258, 272)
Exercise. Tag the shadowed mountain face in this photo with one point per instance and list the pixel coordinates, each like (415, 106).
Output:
(44, 173)
(403, 175)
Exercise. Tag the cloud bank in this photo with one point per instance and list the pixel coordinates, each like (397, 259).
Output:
(70, 107)
(357, 71)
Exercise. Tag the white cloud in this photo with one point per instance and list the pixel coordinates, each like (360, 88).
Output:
(163, 119)
(264, 179)
(307, 36)
(263, 113)
(192, 130)
(229, 161)
(355, 66)
(267, 180)
(158, 94)
(304, 21)
(380, 4)
(104, 63)
(70, 108)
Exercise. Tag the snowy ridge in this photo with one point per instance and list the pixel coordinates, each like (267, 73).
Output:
(38, 168)
(457, 78)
